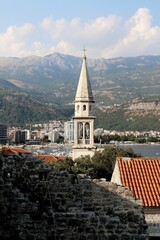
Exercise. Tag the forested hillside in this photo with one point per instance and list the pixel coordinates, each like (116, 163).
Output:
(18, 109)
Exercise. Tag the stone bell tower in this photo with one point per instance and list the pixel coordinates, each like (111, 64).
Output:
(83, 119)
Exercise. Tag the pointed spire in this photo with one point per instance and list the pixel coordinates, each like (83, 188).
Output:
(84, 91)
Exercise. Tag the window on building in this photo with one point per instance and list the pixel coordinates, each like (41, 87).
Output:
(87, 133)
(84, 107)
(80, 130)
(87, 130)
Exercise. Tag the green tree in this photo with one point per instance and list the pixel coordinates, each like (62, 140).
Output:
(84, 165)
(66, 164)
(101, 165)
(103, 162)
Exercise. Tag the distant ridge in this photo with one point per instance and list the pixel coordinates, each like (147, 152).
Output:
(52, 80)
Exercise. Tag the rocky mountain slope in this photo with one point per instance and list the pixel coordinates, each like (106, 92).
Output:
(143, 107)
(142, 114)
(113, 80)
(52, 81)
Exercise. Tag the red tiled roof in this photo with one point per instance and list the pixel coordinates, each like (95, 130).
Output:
(142, 176)
(8, 150)
(49, 158)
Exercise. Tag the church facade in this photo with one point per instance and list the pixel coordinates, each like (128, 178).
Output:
(83, 117)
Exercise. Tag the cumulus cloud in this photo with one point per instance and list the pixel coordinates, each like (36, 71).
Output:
(12, 42)
(95, 34)
(106, 36)
(139, 37)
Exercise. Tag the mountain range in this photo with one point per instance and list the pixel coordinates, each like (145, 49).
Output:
(43, 88)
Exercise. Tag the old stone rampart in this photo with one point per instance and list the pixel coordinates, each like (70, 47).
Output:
(40, 203)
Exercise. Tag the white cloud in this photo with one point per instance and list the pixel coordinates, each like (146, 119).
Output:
(104, 37)
(75, 31)
(12, 42)
(139, 37)
(71, 36)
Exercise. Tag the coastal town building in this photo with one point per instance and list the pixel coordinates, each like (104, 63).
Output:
(98, 132)
(141, 176)
(83, 118)
(69, 131)
(3, 134)
(53, 135)
(20, 137)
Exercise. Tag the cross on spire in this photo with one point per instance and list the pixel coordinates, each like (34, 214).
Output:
(84, 50)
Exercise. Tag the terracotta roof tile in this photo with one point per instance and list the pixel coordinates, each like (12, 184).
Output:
(7, 150)
(142, 176)
(49, 158)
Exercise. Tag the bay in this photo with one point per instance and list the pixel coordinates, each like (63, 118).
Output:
(146, 150)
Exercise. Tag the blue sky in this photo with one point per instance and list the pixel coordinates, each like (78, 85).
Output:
(108, 28)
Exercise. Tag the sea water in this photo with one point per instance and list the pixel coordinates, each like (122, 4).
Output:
(146, 150)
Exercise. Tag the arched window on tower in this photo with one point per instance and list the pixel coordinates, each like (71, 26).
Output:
(77, 108)
(80, 132)
(84, 107)
(90, 108)
(87, 133)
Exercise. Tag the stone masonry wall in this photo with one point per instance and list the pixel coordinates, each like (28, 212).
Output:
(153, 222)
(57, 205)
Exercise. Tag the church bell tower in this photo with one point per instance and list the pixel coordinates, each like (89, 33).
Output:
(83, 119)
